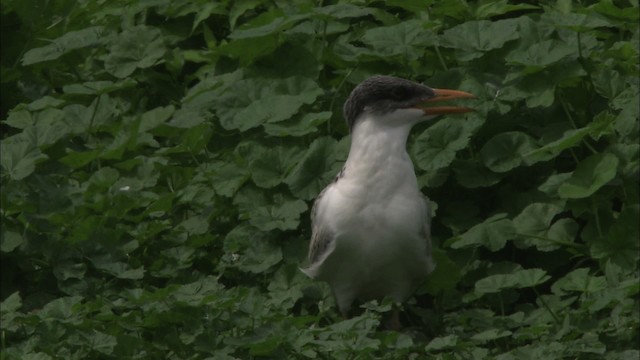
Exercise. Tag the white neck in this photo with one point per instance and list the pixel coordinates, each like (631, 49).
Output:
(379, 142)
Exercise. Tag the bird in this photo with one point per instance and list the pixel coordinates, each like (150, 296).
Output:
(370, 227)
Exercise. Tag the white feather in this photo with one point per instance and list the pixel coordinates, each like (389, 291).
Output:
(376, 215)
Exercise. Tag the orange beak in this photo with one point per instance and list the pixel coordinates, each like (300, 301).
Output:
(444, 95)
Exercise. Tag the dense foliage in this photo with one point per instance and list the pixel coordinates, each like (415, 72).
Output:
(159, 160)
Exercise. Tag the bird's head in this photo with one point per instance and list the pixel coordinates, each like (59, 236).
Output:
(380, 95)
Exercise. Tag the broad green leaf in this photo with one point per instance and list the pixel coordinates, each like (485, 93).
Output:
(507, 150)
(491, 334)
(493, 233)
(70, 41)
(437, 146)
(19, 156)
(521, 278)
(541, 55)
(118, 269)
(11, 303)
(442, 342)
(155, 117)
(531, 277)
(406, 39)
(608, 82)
(226, 178)
(621, 242)
(19, 118)
(574, 21)
(579, 280)
(535, 219)
(98, 87)
(551, 185)
(590, 175)
(500, 7)
(271, 165)
(60, 309)
(139, 47)
(315, 170)
(283, 215)
(247, 249)
(495, 283)
(195, 225)
(277, 22)
(474, 38)
(101, 342)
(10, 241)
(304, 125)
(252, 102)
(343, 11)
(249, 50)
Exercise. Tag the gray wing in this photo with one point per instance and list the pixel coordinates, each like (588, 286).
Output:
(426, 234)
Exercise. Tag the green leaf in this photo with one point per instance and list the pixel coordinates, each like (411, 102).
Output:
(437, 146)
(521, 278)
(226, 177)
(271, 165)
(621, 242)
(495, 283)
(247, 249)
(283, 215)
(304, 125)
(590, 175)
(507, 150)
(579, 280)
(315, 170)
(19, 155)
(574, 21)
(494, 8)
(155, 117)
(474, 38)
(491, 334)
(252, 102)
(278, 22)
(139, 47)
(442, 342)
(11, 304)
(10, 241)
(543, 54)
(536, 218)
(493, 233)
(68, 42)
(406, 39)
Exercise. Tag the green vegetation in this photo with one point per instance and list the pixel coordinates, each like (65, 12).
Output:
(159, 160)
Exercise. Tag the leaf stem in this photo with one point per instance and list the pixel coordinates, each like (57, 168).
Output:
(565, 107)
(442, 63)
(546, 306)
(335, 95)
(580, 247)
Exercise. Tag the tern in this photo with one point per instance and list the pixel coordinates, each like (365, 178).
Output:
(371, 226)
